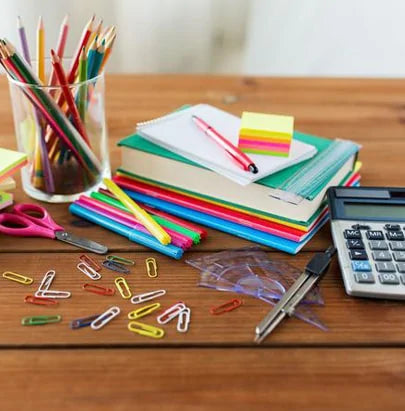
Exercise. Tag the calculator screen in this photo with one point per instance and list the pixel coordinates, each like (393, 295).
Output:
(359, 210)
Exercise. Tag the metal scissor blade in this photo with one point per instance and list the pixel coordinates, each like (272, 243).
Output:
(81, 242)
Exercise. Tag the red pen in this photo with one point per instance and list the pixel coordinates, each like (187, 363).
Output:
(241, 158)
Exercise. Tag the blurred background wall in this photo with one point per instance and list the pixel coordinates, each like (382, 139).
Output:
(266, 37)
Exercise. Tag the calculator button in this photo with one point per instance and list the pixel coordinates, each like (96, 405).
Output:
(364, 278)
(375, 235)
(397, 245)
(358, 255)
(360, 227)
(352, 234)
(382, 256)
(378, 245)
(392, 227)
(399, 255)
(395, 235)
(401, 268)
(389, 278)
(358, 244)
(361, 266)
(385, 267)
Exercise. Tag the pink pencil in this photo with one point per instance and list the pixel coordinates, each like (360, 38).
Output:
(60, 47)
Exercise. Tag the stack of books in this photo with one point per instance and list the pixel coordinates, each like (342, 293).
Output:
(283, 210)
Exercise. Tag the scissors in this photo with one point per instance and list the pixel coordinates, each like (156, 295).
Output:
(32, 220)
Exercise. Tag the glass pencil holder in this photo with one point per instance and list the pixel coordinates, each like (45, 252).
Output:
(67, 148)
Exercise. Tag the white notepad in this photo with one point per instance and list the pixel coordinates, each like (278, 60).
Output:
(178, 133)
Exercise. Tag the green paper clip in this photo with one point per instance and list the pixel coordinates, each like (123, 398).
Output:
(41, 320)
(122, 260)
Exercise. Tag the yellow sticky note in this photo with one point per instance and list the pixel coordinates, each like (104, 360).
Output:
(267, 125)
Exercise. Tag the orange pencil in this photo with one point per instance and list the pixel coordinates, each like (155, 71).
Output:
(61, 76)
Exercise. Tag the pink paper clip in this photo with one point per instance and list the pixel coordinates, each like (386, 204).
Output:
(171, 312)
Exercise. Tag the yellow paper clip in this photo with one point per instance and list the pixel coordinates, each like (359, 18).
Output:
(143, 311)
(145, 329)
(151, 267)
(18, 278)
(123, 287)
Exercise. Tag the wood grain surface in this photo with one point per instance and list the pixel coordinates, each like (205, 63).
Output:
(357, 364)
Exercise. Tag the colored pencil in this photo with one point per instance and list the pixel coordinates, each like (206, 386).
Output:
(60, 74)
(41, 50)
(108, 50)
(60, 47)
(97, 60)
(82, 92)
(96, 32)
(91, 54)
(23, 40)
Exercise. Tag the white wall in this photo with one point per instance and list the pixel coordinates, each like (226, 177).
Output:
(326, 38)
(268, 37)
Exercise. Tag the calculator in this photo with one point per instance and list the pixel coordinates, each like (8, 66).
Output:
(368, 230)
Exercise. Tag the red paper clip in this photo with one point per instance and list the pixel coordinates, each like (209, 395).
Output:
(96, 289)
(224, 308)
(89, 261)
(31, 299)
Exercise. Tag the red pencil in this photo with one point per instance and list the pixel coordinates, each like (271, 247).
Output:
(67, 93)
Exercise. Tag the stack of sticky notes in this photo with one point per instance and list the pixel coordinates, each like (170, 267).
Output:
(10, 162)
(268, 134)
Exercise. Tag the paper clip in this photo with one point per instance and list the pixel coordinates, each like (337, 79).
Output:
(120, 260)
(114, 266)
(123, 287)
(145, 329)
(172, 312)
(31, 299)
(18, 278)
(41, 320)
(89, 271)
(183, 321)
(224, 308)
(83, 322)
(96, 289)
(90, 262)
(52, 294)
(143, 311)
(140, 298)
(105, 318)
(46, 281)
(151, 267)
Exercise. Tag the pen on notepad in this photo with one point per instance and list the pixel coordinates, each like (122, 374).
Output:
(241, 158)
(144, 218)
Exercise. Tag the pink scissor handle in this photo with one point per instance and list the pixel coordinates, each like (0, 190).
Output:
(20, 226)
(43, 218)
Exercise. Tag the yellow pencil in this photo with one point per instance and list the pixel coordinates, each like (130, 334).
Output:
(141, 215)
(41, 50)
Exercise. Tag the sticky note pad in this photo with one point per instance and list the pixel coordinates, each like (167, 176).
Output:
(6, 199)
(10, 162)
(268, 134)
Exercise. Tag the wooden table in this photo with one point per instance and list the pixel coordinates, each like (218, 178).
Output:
(358, 364)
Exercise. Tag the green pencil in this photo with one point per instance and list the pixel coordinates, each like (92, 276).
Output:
(82, 93)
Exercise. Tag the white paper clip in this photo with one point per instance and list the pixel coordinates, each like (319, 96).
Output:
(89, 271)
(47, 280)
(140, 298)
(44, 291)
(52, 294)
(184, 320)
(105, 318)
(171, 313)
